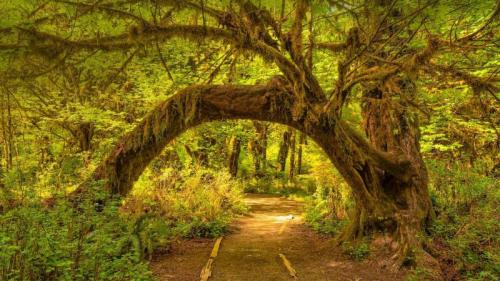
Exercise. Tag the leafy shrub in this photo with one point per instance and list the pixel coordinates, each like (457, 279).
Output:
(467, 223)
(317, 217)
(266, 184)
(326, 209)
(197, 203)
(199, 228)
(65, 243)
(356, 250)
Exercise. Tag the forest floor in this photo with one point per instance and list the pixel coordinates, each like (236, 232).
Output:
(250, 251)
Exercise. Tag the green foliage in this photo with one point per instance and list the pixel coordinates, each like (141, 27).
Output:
(196, 203)
(198, 227)
(64, 243)
(317, 217)
(356, 250)
(277, 183)
(418, 274)
(467, 226)
(327, 208)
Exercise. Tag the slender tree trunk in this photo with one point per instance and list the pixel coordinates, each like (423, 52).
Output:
(283, 151)
(234, 157)
(261, 129)
(6, 120)
(45, 153)
(258, 147)
(2, 139)
(10, 131)
(291, 171)
(1, 171)
(253, 147)
(302, 142)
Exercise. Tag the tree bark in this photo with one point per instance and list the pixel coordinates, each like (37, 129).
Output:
(235, 156)
(302, 142)
(401, 206)
(7, 134)
(259, 146)
(189, 108)
(253, 147)
(291, 171)
(1, 171)
(283, 151)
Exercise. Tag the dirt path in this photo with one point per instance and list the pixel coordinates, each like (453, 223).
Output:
(250, 251)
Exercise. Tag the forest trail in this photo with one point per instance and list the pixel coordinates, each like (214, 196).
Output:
(250, 252)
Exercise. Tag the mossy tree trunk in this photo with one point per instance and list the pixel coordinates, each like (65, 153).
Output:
(300, 152)
(253, 147)
(283, 151)
(1, 171)
(260, 145)
(234, 156)
(291, 171)
(7, 131)
(392, 127)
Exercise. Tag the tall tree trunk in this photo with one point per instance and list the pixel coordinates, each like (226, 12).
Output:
(258, 147)
(253, 147)
(10, 131)
(7, 131)
(398, 205)
(261, 129)
(283, 151)
(388, 200)
(234, 157)
(1, 171)
(291, 171)
(302, 142)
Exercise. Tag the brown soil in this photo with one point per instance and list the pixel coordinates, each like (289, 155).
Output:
(250, 251)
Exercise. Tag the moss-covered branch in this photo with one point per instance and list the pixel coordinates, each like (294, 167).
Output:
(188, 108)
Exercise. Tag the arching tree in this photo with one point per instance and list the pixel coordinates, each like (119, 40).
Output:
(390, 52)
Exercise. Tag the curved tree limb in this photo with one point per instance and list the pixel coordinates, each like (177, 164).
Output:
(397, 165)
(152, 33)
(272, 102)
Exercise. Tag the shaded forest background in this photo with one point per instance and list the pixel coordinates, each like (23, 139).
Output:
(63, 108)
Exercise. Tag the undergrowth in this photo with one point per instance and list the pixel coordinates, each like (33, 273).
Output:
(114, 241)
(327, 207)
(191, 203)
(356, 250)
(464, 236)
(67, 243)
